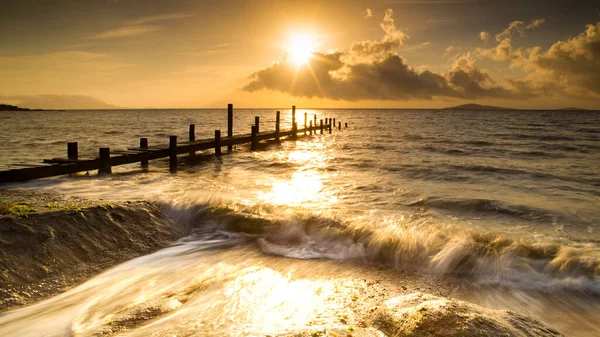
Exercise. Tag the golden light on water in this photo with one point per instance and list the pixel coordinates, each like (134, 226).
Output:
(304, 186)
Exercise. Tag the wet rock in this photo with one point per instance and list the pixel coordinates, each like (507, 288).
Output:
(420, 315)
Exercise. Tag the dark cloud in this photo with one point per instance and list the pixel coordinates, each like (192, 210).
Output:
(327, 76)
(373, 70)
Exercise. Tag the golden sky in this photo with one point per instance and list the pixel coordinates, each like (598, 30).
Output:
(396, 54)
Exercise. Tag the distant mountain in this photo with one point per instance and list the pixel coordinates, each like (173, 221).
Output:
(8, 107)
(68, 102)
(473, 106)
(573, 109)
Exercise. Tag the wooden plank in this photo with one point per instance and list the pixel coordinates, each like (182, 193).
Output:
(63, 161)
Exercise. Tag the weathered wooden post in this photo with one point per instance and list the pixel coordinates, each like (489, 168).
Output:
(229, 125)
(72, 151)
(257, 123)
(346, 124)
(253, 142)
(321, 121)
(305, 119)
(218, 143)
(315, 120)
(144, 145)
(329, 125)
(192, 136)
(173, 154)
(310, 128)
(104, 154)
(293, 115)
(329, 121)
(192, 132)
(339, 125)
(295, 131)
(334, 122)
(277, 122)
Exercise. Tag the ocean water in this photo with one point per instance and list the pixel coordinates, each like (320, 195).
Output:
(503, 207)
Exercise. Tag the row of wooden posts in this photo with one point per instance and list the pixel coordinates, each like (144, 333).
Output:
(104, 158)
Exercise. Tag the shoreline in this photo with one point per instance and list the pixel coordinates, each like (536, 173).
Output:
(52, 242)
(52, 250)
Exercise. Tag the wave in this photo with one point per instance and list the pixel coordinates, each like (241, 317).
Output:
(411, 242)
(487, 206)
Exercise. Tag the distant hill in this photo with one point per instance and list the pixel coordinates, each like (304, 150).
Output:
(8, 107)
(473, 106)
(68, 102)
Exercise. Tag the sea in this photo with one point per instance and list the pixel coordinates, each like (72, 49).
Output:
(500, 208)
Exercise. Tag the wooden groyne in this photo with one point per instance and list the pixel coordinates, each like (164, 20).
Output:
(144, 153)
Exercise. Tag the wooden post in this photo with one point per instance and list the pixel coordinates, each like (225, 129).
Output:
(346, 124)
(277, 122)
(173, 154)
(334, 122)
(144, 145)
(321, 126)
(257, 123)
(329, 121)
(192, 136)
(104, 155)
(229, 125)
(295, 131)
(305, 119)
(192, 132)
(253, 142)
(315, 118)
(310, 128)
(329, 125)
(293, 115)
(339, 125)
(218, 143)
(72, 151)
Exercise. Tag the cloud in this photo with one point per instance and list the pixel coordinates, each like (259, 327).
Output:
(574, 63)
(537, 23)
(370, 50)
(160, 17)
(570, 67)
(139, 26)
(417, 47)
(518, 27)
(484, 36)
(126, 31)
(515, 27)
(220, 48)
(450, 50)
(368, 13)
(372, 70)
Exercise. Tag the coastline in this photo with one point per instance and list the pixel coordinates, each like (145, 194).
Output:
(68, 240)
(56, 248)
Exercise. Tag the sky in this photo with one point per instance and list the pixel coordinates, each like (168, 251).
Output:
(72, 54)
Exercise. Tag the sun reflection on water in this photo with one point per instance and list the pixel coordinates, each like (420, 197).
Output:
(304, 186)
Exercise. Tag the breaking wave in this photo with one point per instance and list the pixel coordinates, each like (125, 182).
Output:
(410, 242)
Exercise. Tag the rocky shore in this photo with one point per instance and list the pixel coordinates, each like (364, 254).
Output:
(50, 242)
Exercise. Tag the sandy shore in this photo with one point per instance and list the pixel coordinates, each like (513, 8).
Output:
(51, 242)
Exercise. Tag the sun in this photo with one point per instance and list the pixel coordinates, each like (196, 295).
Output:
(301, 47)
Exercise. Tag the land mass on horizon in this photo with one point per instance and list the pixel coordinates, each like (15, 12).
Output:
(8, 107)
(473, 106)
